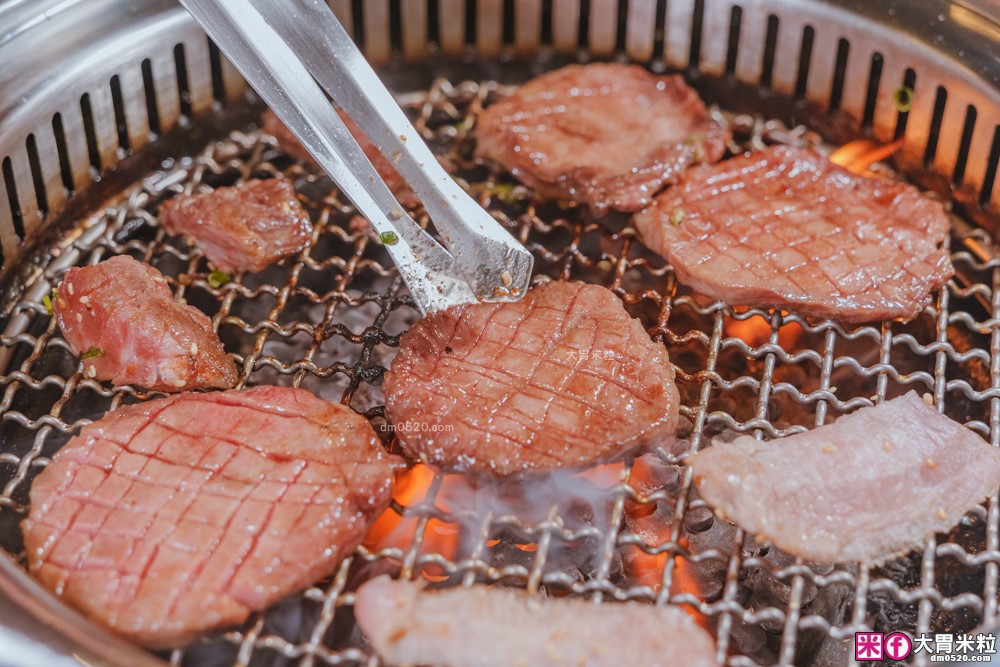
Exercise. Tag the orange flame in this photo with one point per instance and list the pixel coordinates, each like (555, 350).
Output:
(392, 530)
(684, 582)
(859, 155)
(756, 330)
(647, 570)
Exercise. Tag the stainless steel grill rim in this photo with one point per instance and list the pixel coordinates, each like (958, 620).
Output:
(115, 74)
(558, 245)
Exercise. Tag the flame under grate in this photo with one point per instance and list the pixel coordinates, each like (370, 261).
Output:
(329, 321)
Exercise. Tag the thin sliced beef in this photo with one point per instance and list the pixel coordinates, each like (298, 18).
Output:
(564, 377)
(873, 484)
(173, 517)
(247, 227)
(786, 228)
(121, 318)
(606, 135)
(494, 627)
(287, 141)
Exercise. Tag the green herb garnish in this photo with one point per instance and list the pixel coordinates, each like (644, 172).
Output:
(218, 278)
(903, 99)
(509, 193)
(389, 238)
(47, 302)
(92, 352)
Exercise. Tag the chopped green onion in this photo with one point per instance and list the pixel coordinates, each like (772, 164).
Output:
(389, 238)
(92, 352)
(48, 300)
(509, 193)
(218, 278)
(903, 99)
(677, 216)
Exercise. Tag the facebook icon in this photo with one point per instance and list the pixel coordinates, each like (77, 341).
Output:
(897, 646)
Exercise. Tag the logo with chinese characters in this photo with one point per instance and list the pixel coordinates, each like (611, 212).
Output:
(948, 647)
(940, 647)
(868, 646)
(585, 354)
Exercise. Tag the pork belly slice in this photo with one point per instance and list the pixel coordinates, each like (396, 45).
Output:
(564, 378)
(871, 485)
(606, 135)
(786, 228)
(247, 227)
(496, 627)
(121, 318)
(174, 517)
(287, 141)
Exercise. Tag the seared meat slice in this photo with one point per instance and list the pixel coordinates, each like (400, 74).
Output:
(180, 515)
(870, 486)
(271, 124)
(121, 318)
(243, 228)
(564, 377)
(786, 228)
(605, 135)
(487, 627)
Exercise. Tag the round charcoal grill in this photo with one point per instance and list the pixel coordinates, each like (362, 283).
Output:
(109, 107)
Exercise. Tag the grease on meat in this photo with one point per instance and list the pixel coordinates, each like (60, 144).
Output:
(170, 518)
(786, 228)
(247, 227)
(606, 135)
(871, 485)
(495, 627)
(122, 318)
(564, 378)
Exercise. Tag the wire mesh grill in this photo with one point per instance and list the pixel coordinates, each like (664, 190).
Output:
(329, 320)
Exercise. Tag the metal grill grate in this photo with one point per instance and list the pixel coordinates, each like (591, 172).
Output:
(329, 321)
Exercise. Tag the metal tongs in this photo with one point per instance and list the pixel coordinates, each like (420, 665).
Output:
(288, 50)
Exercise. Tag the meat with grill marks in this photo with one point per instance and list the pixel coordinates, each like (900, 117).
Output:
(564, 378)
(494, 627)
(177, 516)
(122, 319)
(870, 486)
(606, 135)
(786, 228)
(247, 227)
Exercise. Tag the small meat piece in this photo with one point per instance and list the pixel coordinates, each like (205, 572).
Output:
(495, 627)
(287, 141)
(605, 135)
(868, 487)
(786, 228)
(243, 228)
(563, 378)
(121, 318)
(177, 516)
